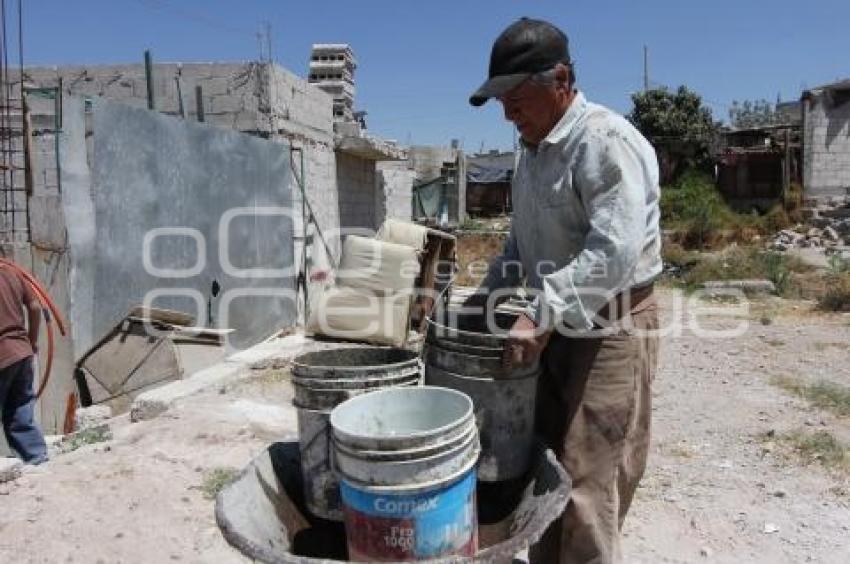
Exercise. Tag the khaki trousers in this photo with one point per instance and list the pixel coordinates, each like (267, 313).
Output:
(593, 410)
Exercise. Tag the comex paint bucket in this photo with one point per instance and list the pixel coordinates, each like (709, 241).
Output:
(406, 460)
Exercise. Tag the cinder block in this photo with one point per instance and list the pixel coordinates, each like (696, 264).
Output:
(227, 104)
(214, 86)
(198, 70)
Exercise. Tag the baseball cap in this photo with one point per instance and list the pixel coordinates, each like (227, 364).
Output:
(525, 48)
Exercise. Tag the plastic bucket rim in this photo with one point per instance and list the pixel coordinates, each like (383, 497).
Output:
(388, 455)
(302, 381)
(468, 412)
(391, 444)
(403, 470)
(421, 486)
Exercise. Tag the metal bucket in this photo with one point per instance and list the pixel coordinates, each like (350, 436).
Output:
(472, 330)
(504, 411)
(471, 361)
(406, 460)
(324, 379)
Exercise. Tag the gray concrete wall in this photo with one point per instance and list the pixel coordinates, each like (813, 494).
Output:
(151, 171)
(260, 99)
(78, 207)
(263, 100)
(826, 150)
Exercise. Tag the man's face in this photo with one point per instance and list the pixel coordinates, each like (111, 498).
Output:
(533, 109)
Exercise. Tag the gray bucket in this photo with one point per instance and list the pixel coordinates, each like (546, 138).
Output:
(406, 461)
(470, 360)
(504, 411)
(324, 379)
(471, 330)
(474, 365)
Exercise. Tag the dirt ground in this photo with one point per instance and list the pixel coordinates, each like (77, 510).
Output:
(722, 486)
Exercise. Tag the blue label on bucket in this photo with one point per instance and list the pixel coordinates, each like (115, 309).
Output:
(433, 523)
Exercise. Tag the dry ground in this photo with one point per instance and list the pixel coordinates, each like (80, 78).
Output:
(722, 485)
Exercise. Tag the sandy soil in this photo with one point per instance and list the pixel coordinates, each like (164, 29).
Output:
(717, 489)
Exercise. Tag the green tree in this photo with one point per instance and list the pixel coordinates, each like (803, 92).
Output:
(748, 114)
(679, 126)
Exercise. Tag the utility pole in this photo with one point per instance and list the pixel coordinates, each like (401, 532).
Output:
(269, 41)
(264, 42)
(645, 68)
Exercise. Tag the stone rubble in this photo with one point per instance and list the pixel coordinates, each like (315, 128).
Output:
(827, 229)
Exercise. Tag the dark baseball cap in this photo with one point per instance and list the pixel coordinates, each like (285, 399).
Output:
(525, 48)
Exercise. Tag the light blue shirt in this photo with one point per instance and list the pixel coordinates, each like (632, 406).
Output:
(585, 217)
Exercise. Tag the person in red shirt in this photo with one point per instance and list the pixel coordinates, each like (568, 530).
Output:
(18, 346)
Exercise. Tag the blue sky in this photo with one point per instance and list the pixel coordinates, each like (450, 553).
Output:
(419, 61)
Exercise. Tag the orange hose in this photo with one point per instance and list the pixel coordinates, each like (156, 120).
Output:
(40, 291)
(49, 366)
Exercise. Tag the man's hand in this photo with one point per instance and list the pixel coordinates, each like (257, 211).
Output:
(525, 343)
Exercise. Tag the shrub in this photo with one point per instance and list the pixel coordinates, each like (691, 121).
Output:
(674, 254)
(776, 219)
(694, 208)
(216, 479)
(776, 270)
(837, 296)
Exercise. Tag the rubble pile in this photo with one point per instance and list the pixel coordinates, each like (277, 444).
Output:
(812, 237)
(828, 229)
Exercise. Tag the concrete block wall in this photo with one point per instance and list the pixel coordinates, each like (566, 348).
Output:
(357, 191)
(298, 107)
(826, 150)
(46, 257)
(229, 89)
(302, 115)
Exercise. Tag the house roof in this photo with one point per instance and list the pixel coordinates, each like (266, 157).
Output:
(490, 168)
(838, 86)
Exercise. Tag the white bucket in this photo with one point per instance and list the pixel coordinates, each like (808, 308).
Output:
(406, 460)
